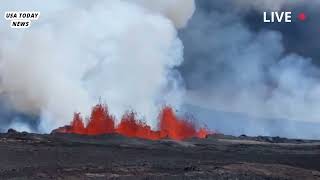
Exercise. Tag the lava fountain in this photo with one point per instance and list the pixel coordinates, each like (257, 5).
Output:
(102, 122)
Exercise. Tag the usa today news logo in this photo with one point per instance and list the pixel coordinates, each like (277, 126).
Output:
(21, 19)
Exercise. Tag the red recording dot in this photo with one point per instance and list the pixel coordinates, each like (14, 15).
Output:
(302, 16)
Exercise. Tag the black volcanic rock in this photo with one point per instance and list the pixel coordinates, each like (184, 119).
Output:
(12, 131)
(70, 156)
(60, 130)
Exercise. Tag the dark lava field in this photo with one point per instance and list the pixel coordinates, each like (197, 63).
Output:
(67, 156)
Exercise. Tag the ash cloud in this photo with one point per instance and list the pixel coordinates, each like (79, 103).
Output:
(122, 52)
(234, 64)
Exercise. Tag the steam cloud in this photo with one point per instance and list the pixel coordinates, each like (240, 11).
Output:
(272, 4)
(126, 52)
(268, 4)
(232, 68)
(122, 51)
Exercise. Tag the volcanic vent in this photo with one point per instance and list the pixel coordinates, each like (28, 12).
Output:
(102, 122)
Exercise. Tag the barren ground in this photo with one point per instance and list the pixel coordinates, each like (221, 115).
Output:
(66, 156)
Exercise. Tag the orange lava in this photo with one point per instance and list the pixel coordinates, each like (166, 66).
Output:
(101, 122)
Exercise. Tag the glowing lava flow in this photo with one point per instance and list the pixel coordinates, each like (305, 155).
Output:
(101, 122)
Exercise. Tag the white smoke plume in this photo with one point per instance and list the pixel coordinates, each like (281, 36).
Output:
(122, 51)
(236, 69)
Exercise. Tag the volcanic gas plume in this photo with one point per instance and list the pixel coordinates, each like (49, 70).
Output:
(102, 122)
(123, 51)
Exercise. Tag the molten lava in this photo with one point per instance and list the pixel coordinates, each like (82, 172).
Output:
(101, 122)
